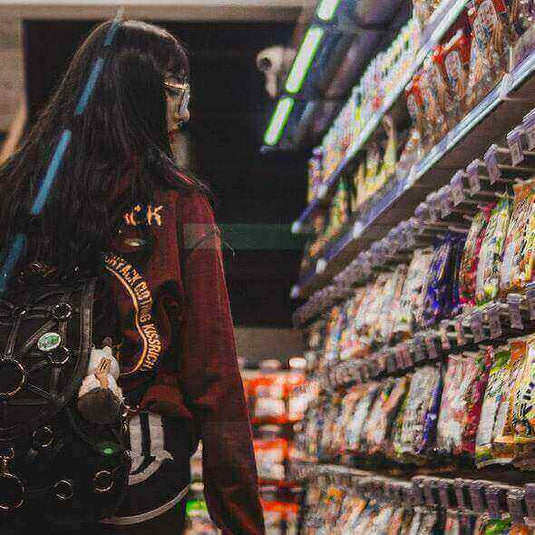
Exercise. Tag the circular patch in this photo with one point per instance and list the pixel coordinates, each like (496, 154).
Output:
(59, 356)
(12, 377)
(49, 342)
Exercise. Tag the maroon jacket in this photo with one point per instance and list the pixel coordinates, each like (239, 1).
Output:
(178, 351)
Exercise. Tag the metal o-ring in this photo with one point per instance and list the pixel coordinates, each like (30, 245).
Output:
(6, 508)
(22, 371)
(67, 493)
(98, 485)
(38, 442)
(61, 311)
(59, 356)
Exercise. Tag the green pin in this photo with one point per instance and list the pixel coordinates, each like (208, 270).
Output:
(49, 342)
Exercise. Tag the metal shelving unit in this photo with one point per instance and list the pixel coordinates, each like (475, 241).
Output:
(485, 124)
(439, 24)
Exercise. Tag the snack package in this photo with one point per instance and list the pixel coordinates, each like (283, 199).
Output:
(494, 412)
(423, 9)
(437, 126)
(470, 257)
(270, 456)
(474, 399)
(460, 375)
(519, 250)
(420, 414)
(516, 366)
(441, 290)
(389, 305)
(411, 300)
(354, 431)
(456, 65)
(490, 254)
(489, 45)
(335, 327)
(385, 411)
(415, 107)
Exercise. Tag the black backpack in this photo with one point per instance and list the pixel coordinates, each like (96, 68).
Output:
(56, 469)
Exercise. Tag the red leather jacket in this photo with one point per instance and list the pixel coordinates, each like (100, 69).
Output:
(178, 352)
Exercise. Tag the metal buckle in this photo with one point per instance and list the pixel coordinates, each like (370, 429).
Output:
(6, 477)
(20, 369)
(61, 311)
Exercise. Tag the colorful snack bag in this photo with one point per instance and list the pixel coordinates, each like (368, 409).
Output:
(411, 301)
(489, 43)
(441, 288)
(474, 399)
(518, 257)
(390, 402)
(415, 106)
(470, 257)
(494, 412)
(456, 65)
(490, 254)
(516, 366)
(432, 103)
(419, 420)
(460, 375)
(335, 327)
(354, 431)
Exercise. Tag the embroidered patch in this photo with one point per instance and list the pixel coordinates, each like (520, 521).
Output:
(141, 215)
(139, 291)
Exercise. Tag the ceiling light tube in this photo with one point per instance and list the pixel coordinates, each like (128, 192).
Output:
(278, 121)
(327, 9)
(304, 58)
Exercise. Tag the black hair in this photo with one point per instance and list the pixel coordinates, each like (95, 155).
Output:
(121, 138)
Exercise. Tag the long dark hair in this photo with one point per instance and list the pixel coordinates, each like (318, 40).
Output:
(122, 134)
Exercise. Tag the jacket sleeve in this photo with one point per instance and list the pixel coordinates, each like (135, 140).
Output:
(210, 376)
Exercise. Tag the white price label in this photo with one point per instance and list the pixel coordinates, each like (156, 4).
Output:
(529, 129)
(473, 177)
(492, 164)
(457, 188)
(514, 140)
(513, 300)
(431, 347)
(459, 331)
(444, 339)
(495, 325)
(530, 298)
(445, 204)
(419, 353)
(476, 326)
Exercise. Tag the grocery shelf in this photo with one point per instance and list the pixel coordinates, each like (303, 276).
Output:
(487, 123)
(435, 30)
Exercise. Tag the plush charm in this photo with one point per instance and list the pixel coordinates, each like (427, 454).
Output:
(100, 398)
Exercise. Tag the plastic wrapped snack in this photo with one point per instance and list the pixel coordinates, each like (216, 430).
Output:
(474, 399)
(489, 44)
(420, 415)
(460, 375)
(441, 290)
(387, 405)
(470, 257)
(354, 431)
(517, 263)
(494, 412)
(490, 254)
(335, 327)
(456, 65)
(411, 300)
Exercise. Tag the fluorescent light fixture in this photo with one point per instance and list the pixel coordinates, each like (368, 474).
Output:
(278, 121)
(327, 9)
(304, 58)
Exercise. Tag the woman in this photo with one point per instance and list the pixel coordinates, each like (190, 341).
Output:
(121, 209)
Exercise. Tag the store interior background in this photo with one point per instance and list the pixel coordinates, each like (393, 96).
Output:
(258, 196)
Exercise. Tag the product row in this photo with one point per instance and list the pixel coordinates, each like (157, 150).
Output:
(457, 73)
(453, 79)
(478, 406)
(341, 505)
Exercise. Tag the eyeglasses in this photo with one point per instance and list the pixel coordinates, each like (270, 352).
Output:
(179, 91)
